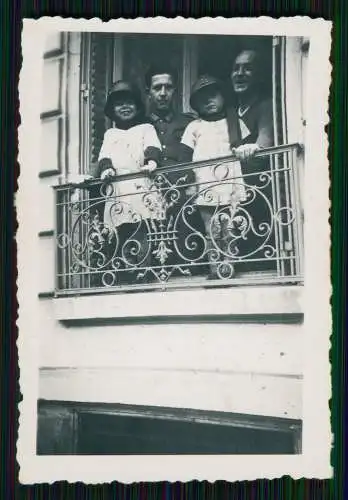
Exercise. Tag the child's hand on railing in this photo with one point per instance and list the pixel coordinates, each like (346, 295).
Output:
(109, 172)
(245, 151)
(150, 166)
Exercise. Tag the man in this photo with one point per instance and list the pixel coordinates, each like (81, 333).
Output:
(161, 83)
(254, 111)
(251, 129)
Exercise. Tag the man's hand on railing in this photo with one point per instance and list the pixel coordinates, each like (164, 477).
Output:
(245, 151)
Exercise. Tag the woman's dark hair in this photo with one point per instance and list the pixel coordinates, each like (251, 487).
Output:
(160, 68)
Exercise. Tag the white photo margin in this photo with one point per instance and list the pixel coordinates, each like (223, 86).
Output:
(314, 462)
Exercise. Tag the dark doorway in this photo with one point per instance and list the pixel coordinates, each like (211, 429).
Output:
(115, 429)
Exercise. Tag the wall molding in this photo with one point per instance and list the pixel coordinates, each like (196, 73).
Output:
(180, 414)
(245, 393)
(260, 303)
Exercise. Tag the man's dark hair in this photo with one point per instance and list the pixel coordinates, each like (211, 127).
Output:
(160, 69)
(257, 61)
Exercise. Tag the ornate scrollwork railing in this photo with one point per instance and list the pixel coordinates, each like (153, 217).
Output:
(184, 225)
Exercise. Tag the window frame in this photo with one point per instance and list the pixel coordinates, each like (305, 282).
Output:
(190, 64)
(115, 71)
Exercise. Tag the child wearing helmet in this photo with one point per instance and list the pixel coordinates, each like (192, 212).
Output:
(220, 187)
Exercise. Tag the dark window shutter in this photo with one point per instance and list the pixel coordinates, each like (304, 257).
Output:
(95, 79)
(99, 83)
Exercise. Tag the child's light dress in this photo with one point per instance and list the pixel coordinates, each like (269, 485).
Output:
(126, 150)
(220, 184)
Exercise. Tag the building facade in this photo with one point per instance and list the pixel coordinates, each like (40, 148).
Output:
(174, 366)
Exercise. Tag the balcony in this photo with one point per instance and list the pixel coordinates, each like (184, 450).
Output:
(140, 232)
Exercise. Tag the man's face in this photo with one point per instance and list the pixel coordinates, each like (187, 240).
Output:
(243, 72)
(161, 92)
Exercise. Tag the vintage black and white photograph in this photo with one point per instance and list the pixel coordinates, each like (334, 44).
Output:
(168, 179)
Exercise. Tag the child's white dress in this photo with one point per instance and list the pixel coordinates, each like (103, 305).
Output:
(125, 149)
(220, 184)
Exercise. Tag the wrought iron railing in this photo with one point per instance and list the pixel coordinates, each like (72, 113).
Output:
(179, 228)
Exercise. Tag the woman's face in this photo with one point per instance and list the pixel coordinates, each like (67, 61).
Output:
(210, 101)
(125, 108)
(243, 72)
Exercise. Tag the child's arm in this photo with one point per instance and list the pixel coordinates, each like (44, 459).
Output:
(105, 166)
(188, 143)
(185, 153)
(152, 149)
(106, 169)
(186, 150)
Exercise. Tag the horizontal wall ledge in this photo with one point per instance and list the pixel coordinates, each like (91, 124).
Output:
(48, 173)
(259, 422)
(46, 233)
(262, 303)
(246, 393)
(46, 295)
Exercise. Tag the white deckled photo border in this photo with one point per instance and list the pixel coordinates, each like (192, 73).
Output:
(314, 462)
